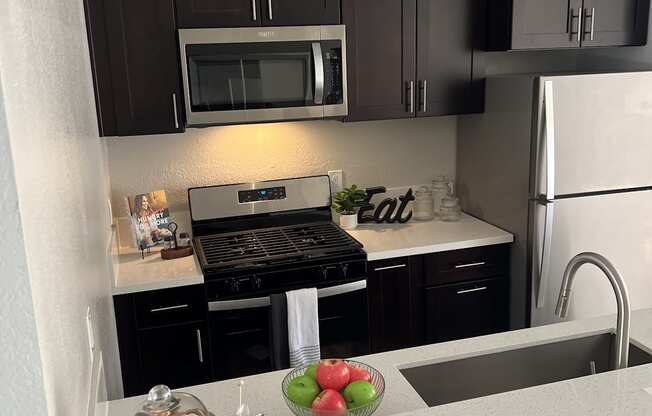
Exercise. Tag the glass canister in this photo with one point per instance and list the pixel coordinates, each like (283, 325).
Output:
(441, 188)
(423, 204)
(162, 402)
(450, 209)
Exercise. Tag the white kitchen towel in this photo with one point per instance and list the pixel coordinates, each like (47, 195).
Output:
(303, 327)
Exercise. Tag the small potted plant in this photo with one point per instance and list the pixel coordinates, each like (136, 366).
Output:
(346, 203)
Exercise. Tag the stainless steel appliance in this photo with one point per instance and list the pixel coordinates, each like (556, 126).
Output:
(255, 240)
(563, 162)
(246, 75)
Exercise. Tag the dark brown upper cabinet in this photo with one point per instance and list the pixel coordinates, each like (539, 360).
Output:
(243, 13)
(552, 24)
(135, 66)
(218, 13)
(304, 12)
(413, 58)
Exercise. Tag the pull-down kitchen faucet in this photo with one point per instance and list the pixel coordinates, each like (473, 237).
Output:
(621, 356)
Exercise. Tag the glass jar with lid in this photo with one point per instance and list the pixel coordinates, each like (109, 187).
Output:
(450, 209)
(441, 188)
(162, 402)
(423, 204)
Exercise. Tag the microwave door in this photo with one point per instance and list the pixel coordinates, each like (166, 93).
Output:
(318, 59)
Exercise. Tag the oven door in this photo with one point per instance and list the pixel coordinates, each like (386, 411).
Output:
(254, 75)
(241, 335)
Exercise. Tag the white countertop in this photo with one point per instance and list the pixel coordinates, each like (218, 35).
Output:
(386, 241)
(134, 274)
(616, 393)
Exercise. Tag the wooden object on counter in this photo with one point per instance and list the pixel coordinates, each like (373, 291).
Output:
(176, 253)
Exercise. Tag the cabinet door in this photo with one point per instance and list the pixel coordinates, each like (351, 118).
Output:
(546, 24)
(390, 305)
(304, 12)
(176, 356)
(381, 48)
(615, 23)
(144, 67)
(466, 310)
(445, 65)
(218, 13)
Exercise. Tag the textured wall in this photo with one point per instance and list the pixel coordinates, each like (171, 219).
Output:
(62, 187)
(21, 382)
(392, 153)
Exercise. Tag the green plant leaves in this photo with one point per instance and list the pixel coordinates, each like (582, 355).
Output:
(349, 200)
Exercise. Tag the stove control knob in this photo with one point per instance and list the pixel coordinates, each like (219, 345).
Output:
(256, 282)
(344, 270)
(324, 273)
(234, 285)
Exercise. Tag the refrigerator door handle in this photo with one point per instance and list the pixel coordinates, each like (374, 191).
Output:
(544, 264)
(548, 97)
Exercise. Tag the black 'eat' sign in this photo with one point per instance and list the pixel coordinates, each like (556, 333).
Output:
(387, 210)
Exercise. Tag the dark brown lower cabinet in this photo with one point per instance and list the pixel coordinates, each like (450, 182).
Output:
(177, 356)
(466, 310)
(389, 285)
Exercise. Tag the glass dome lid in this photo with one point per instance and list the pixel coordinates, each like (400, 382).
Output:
(162, 402)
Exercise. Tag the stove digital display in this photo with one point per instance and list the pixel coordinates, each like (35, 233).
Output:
(257, 195)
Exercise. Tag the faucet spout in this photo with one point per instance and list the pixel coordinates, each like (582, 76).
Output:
(621, 356)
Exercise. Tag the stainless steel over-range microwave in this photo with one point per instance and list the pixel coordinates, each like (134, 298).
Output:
(247, 75)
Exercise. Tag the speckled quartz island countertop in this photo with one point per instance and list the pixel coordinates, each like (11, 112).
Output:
(134, 274)
(616, 393)
(386, 241)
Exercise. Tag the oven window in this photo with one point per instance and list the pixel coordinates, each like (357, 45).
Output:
(250, 76)
(344, 325)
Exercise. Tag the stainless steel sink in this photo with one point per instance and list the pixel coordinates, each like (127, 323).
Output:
(483, 375)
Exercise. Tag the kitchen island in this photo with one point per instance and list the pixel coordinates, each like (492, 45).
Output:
(613, 393)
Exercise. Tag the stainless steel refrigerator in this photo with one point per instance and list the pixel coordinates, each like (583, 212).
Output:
(565, 163)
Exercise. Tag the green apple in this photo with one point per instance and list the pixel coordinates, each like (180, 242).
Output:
(358, 394)
(303, 390)
(312, 371)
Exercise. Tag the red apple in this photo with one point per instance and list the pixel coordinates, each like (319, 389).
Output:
(329, 403)
(333, 374)
(359, 374)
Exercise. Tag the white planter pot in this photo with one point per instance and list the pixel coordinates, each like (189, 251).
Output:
(349, 222)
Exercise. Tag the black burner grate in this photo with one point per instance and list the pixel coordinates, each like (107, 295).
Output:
(269, 245)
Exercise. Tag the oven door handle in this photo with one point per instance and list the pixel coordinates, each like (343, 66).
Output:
(341, 289)
(319, 73)
(232, 305)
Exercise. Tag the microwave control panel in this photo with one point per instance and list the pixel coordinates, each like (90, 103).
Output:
(333, 72)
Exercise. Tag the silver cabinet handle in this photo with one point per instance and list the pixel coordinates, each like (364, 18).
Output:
(411, 97)
(269, 7)
(396, 266)
(477, 289)
(592, 22)
(580, 24)
(468, 265)
(425, 95)
(253, 10)
(319, 73)
(200, 350)
(169, 308)
(174, 107)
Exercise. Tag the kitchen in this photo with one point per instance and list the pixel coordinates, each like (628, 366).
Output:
(56, 157)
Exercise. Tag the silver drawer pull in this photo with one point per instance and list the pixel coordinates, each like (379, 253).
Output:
(200, 350)
(396, 266)
(467, 265)
(477, 289)
(170, 308)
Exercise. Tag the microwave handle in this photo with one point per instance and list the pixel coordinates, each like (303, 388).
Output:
(319, 73)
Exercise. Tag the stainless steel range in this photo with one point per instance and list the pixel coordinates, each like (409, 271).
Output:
(254, 240)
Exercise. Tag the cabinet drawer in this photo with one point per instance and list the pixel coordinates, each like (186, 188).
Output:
(466, 310)
(464, 265)
(170, 306)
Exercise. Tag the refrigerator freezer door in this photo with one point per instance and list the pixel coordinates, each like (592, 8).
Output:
(602, 126)
(618, 226)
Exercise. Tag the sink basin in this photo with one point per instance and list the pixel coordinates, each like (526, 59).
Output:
(483, 375)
